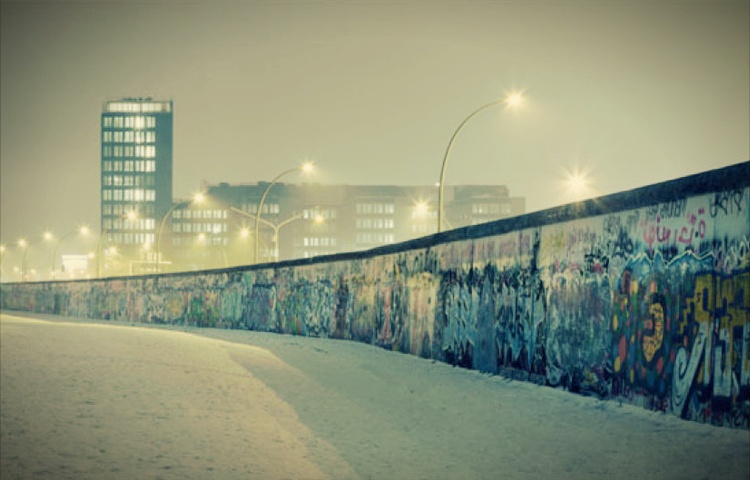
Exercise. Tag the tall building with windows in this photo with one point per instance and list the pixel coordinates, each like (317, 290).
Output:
(136, 176)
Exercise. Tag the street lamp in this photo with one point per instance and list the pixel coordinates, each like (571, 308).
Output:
(197, 198)
(306, 167)
(83, 231)
(25, 244)
(512, 100)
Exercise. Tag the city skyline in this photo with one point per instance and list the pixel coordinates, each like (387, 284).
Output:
(372, 92)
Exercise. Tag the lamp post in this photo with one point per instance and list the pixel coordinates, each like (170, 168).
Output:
(306, 168)
(197, 198)
(244, 232)
(25, 244)
(513, 99)
(83, 231)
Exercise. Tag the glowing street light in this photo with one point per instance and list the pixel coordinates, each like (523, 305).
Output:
(577, 184)
(512, 100)
(306, 168)
(198, 198)
(25, 244)
(421, 209)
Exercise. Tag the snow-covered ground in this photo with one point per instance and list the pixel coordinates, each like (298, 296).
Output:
(100, 400)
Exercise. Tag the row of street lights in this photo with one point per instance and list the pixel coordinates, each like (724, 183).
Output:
(512, 100)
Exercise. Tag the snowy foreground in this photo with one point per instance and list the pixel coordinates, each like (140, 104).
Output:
(102, 400)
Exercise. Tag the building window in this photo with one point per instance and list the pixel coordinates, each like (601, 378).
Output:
(375, 208)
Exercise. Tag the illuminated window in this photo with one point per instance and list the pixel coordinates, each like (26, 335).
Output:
(106, 137)
(128, 136)
(107, 165)
(150, 122)
(107, 122)
(106, 151)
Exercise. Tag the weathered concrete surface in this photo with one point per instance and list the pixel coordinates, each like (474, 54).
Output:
(640, 297)
(92, 401)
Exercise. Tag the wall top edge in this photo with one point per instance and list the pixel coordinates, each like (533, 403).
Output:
(712, 181)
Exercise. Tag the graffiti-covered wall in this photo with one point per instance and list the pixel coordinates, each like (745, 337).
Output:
(642, 297)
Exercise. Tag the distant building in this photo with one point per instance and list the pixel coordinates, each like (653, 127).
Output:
(307, 220)
(143, 230)
(136, 176)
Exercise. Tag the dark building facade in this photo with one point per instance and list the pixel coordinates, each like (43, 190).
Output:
(307, 220)
(136, 178)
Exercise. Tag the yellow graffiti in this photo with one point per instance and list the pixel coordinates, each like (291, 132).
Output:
(652, 343)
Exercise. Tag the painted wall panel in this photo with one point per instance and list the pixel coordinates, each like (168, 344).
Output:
(641, 297)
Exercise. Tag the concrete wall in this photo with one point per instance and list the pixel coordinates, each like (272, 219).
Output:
(641, 297)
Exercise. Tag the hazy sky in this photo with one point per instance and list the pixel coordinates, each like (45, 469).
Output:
(635, 92)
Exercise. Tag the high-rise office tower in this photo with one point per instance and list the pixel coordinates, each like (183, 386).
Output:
(136, 173)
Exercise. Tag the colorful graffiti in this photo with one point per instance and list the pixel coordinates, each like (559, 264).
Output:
(646, 305)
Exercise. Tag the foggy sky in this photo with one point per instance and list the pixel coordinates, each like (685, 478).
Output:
(633, 92)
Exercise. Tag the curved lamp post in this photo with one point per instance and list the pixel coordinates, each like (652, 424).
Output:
(82, 231)
(25, 244)
(198, 198)
(306, 168)
(512, 100)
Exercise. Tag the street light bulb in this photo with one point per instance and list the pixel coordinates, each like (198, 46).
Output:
(308, 167)
(199, 198)
(514, 99)
(244, 233)
(48, 236)
(23, 243)
(420, 209)
(84, 231)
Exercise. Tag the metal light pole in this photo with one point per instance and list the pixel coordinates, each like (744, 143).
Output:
(307, 167)
(513, 99)
(23, 243)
